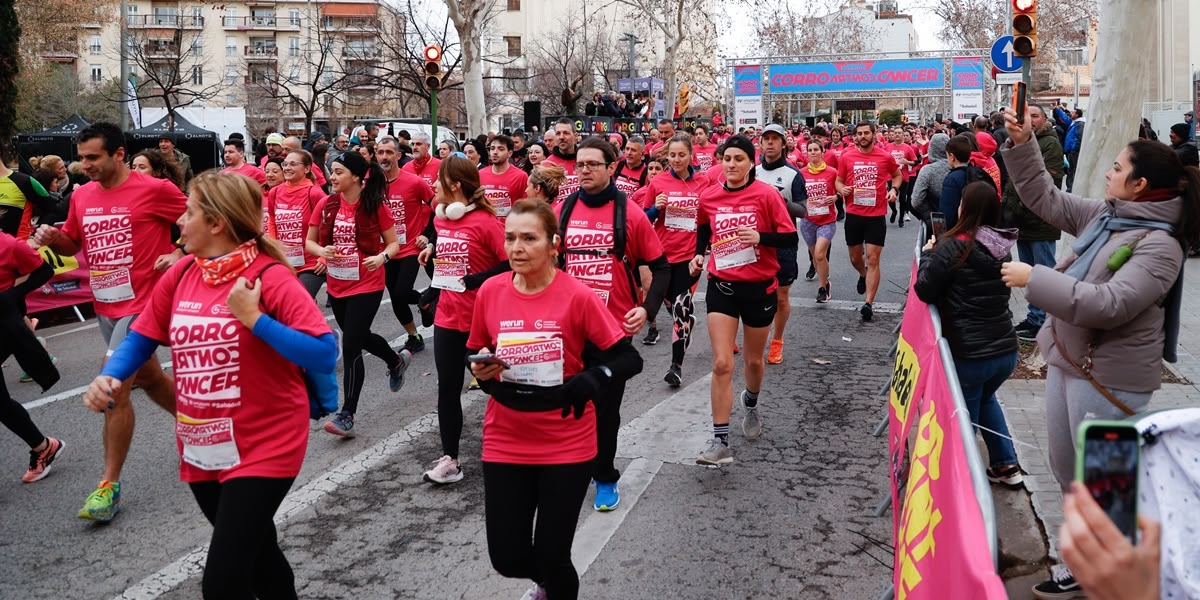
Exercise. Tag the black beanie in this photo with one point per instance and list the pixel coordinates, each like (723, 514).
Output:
(355, 163)
(744, 144)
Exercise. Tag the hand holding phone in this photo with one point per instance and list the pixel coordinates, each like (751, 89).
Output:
(488, 359)
(937, 222)
(1020, 96)
(1107, 464)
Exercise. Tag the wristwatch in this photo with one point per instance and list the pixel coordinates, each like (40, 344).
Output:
(607, 371)
(386, 258)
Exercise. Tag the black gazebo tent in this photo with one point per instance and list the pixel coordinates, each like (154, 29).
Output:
(200, 144)
(58, 140)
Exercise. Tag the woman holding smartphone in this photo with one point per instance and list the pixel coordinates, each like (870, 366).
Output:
(539, 428)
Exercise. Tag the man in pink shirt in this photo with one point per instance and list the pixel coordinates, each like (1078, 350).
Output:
(235, 161)
(423, 165)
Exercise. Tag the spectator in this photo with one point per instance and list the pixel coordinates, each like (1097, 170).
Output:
(166, 145)
(152, 162)
(1188, 119)
(927, 191)
(1183, 147)
(341, 144)
(535, 154)
(958, 154)
(1072, 146)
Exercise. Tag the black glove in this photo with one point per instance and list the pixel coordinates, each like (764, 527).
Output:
(585, 386)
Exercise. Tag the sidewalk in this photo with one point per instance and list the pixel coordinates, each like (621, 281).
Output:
(1024, 405)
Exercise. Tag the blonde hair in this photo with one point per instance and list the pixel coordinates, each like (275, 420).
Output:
(236, 201)
(455, 169)
(48, 163)
(549, 178)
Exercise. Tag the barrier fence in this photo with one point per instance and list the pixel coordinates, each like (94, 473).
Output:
(68, 288)
(944, 539)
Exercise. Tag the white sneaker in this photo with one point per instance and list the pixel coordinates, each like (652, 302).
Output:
(445, 471)
(536, 592)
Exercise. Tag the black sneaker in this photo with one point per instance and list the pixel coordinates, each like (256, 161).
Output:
(1026, 331)
(1009, 476)
(822, 295)
(1060, 586)
(867, 312)
(415, 343)
(674, 376)
(862, 284)
(651, 337)
(811, 274)
(892, 206)
(901, 223)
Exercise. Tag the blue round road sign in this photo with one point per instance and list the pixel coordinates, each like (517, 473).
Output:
(1003, 56)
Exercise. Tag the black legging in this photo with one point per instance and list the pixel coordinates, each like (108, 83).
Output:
(905, 197)
(17, 419)
(518, 547)
(244, 559)
(354, 315)
(449, 355)
(401, 276)
(312, 282)
(608, 425)
(680, 289)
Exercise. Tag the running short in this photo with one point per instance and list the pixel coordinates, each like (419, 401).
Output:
(754, 303)
(788, 269)
(811, 231)
(868, 230)
(114, 330)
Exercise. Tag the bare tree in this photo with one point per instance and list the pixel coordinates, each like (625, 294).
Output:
(309, 79)
(471, 18)
(818, 29)
(403, 36)
(668, 19)
(169, 59)
(574, 57)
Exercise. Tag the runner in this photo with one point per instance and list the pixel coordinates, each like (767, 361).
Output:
(273, 170)
(274, 149)
(666, 131)
(122, 220)
(345, 230)
(775, 171)
(504, 183)
(702, 156)
(867, 174)
(292, 144)
(537, 456)
(239, 450)
(423, 165)
(672, 201)
(150, 162)
(563, 155)
(19, 261)
(544, 182)
(408, 198)
(535, 153)
(604, 236)
(235, 161)
(469, 250)
(288, 209)
(820, 224)
(631, 170)
(19, 194)
(747, 224)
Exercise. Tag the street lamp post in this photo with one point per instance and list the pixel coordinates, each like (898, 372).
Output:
(633, 42)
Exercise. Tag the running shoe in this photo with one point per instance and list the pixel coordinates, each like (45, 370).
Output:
(415, 343)
(103, 504)
(811, 274)
(446, 470)
(473, 385)
(717, 454)
(607, 496)
(1009, 476)
(867, 311)
(39, 462)
(536, 592)
(396, 375)
(822, 294)
(342, 425)
(1060, 586)
(1026, 331)
(25, 378)
(901, 223)
(892, 207)
(651, 337)
(775, 354)
(751, 424)
(674, 376)
(862, 284)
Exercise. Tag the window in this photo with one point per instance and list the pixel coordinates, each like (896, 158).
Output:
(166, 16)
(198, 44)
(197, 75)
(514, 44)
(132, 19)
(294, 17)
(97, 74)
(517, 79)
(230, 46)
(231, 74)
(294, 46)
(514, 4)
(1073, 57)
(197, 13)
(94, 44)
(231, 19)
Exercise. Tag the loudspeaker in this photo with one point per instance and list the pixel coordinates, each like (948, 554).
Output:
(533, 114)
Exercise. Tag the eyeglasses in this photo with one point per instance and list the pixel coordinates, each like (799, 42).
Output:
(589, 166)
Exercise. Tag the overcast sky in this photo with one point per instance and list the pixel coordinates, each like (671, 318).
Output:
(737, 38)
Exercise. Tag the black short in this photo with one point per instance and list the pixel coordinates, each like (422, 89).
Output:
(788, 269)
(754, 303)
(869, 230)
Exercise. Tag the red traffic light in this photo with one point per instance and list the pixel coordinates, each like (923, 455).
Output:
(433, 67)
(1024, 28)
(433, 53)
(1024, 5)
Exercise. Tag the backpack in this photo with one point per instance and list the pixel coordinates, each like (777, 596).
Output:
(641, 178)
(975, 173)
(618, 249)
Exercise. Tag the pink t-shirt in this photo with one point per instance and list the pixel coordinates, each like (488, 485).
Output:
(867, 175)
(757, 206)
(222, 429)
(427, 171)
(503, 189)
(821, 188)
(472, 244)
(346, 275)
(702, 157)
(17, 259)
(250, 171)
(542, 337)
(592, 229)
(676, 223)
(123, 231)
(290, 208)
(570, 183)
(408, 198)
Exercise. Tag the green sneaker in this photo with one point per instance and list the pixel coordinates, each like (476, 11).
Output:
(103, 504)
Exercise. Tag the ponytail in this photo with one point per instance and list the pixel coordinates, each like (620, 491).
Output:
(374, 189)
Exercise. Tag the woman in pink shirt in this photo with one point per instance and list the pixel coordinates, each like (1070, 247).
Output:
(287, 209)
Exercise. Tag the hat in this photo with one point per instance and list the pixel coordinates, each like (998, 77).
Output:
(987, 144)
(1180, 129)
(275, 138)
(775, 128)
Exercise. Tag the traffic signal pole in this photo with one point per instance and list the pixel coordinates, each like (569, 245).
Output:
(433, 117)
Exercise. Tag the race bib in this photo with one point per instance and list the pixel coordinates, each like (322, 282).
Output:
(207, 443)
(864, 196)
(448, 275)
(396, 205)
(534, 358)
(294, 255)
(817, 210)
(500, 201)
(681, 211)
(343, 267)
(593, 271)
(728, 251)
(112, 286)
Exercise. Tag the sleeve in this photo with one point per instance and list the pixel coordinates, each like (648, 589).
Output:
(27, 259)
(933, 271)
(169, 203)
(286, 301)
(644, 243)
(314, 220)
(384, 214)
(258, 175)
(520, 184)
(155, 319)
(599, 326)
(777, 212)
(1036, 190)
(890, 166)
(72, 226)
(315, 353)
(951, 197)
(425, 191)
(1052, 156)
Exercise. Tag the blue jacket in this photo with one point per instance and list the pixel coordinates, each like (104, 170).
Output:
(1074, 136)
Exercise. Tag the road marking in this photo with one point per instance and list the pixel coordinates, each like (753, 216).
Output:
(69, 331)
(192, 564)
(880, 307)
(71, 393)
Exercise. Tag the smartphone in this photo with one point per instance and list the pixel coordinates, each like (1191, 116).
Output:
(487, 359)
(937, 221)
(1020, 92)
(1107, 463)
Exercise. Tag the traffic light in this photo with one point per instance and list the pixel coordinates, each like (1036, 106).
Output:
(433, 67)
(1024, 28)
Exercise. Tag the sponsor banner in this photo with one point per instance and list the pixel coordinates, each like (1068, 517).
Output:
(939, 535)
(858, 76)
(68, 287)
(966, 78)
(747, 80)
(748, 111)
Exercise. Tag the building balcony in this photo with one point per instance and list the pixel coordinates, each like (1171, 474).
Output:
(160, 52)
(359, 53)
(351, 24)
(164, 22)
(63, 56)
(362, 82)
(260, 23)
(258, 82)
(260, 53)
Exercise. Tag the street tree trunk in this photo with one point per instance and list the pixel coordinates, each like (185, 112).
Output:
(467, 16)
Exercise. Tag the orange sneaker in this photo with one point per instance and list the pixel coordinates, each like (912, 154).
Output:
(775, 354)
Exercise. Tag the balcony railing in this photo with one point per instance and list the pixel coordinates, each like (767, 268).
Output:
(360, 53)
(165, 21)
(260, 52)
(160, 51)
(261, 23)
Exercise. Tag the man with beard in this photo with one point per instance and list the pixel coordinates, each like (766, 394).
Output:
(563, 155)
(408, 199)
(505, 183)
(423, 164)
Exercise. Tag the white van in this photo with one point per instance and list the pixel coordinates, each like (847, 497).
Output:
(413, 126)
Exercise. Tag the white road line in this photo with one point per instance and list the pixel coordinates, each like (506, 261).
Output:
(92, 325)
(71, 393)
(296, 502)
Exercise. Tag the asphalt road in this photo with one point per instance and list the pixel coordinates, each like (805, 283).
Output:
(789, 519)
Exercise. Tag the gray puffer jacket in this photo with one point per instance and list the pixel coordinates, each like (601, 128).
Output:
(927, 190)
(1122, 311)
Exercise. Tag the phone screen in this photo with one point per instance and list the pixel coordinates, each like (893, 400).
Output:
(1110, 473)
(938, 221)
(1019, 96)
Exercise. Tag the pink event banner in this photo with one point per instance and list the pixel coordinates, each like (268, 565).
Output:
(68, 287)
(939, 536)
